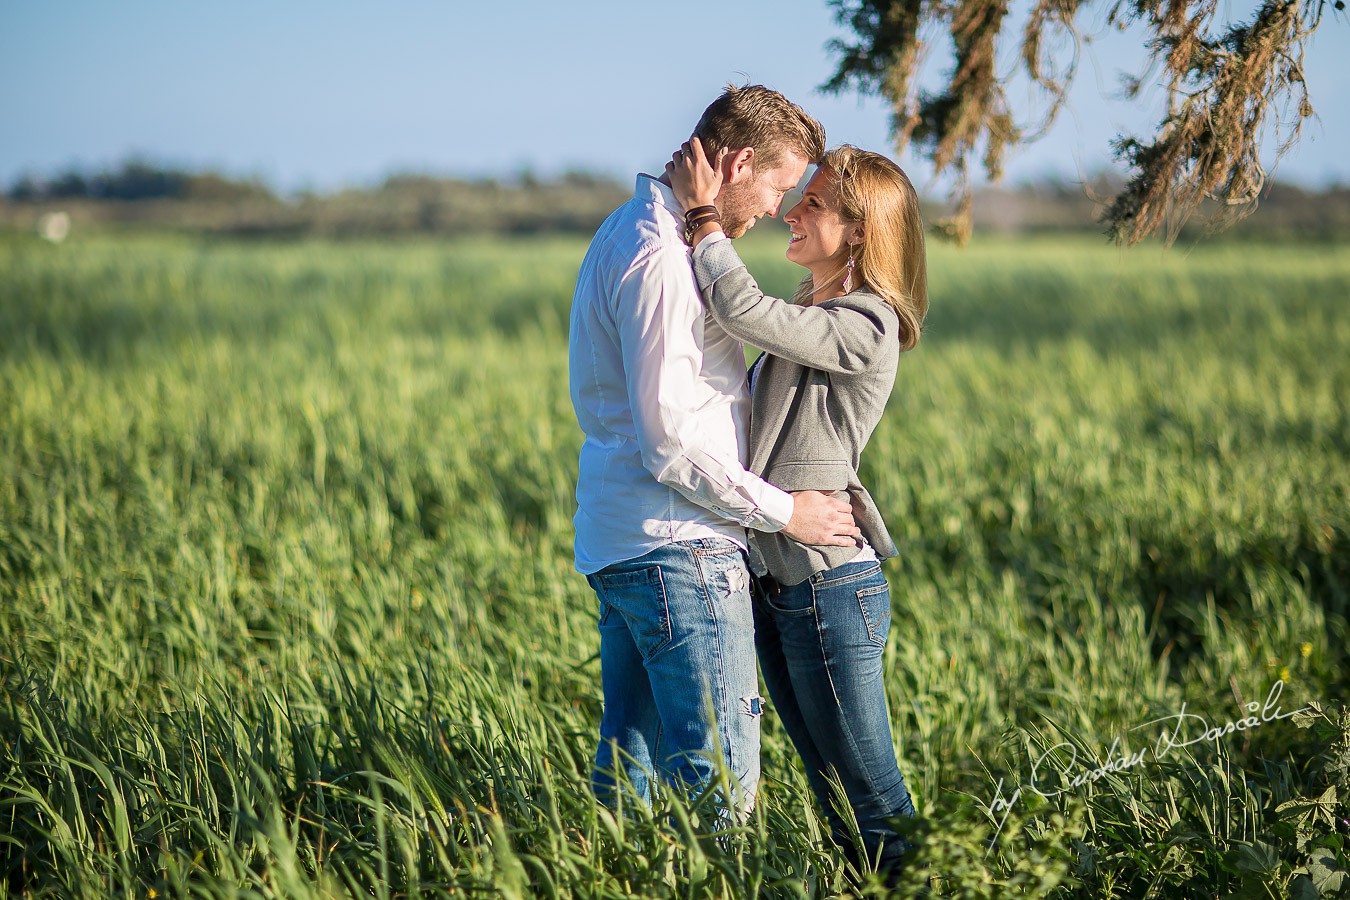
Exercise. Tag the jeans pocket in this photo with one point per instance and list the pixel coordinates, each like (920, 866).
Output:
(640, 597)
(711, 548)
(603, 608)
(875, 604)
(847, 573)
(797, 600)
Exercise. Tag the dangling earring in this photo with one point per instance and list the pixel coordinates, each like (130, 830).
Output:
(848, 274)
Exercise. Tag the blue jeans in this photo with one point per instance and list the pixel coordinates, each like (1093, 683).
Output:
(820, 647)
(677, 662)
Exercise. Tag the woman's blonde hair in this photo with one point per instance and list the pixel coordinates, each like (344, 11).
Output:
(876, 194)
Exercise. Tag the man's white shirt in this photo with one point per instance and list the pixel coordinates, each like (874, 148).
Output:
(660, 392)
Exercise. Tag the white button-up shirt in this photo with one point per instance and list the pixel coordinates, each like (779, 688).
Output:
(660, 391)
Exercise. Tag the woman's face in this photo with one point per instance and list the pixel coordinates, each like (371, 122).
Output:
(820, 235)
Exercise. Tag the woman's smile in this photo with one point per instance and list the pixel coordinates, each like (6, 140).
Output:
(818, 237)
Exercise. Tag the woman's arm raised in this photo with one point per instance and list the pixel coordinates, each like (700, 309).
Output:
(843, 337)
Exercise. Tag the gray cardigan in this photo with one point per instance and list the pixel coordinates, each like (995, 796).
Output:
(818, 395)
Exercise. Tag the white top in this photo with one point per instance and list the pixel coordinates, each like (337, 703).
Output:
(660, 391)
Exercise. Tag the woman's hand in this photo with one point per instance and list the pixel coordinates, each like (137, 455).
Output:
(694, 180)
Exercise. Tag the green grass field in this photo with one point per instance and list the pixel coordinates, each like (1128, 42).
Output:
(287, 606)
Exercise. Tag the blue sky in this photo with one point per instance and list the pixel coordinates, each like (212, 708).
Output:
(322, 94)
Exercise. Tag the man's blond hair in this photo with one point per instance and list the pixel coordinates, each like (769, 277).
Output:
(763, 119)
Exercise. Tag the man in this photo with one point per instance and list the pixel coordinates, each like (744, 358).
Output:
(663, 495)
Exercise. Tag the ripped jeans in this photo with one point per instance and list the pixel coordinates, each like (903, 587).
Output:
(677, 662)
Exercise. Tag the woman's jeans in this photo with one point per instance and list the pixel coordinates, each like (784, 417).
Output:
(677, 662)
(820, 645)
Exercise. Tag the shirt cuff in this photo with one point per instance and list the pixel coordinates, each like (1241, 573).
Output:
(775, 510)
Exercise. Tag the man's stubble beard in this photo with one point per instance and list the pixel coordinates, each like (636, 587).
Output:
(734, 202)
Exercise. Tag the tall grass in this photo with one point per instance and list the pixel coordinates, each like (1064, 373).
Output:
(287, 605)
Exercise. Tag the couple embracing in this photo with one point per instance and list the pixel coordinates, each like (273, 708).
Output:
(720, 516)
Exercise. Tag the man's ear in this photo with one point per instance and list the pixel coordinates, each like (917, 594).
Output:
(738, 165)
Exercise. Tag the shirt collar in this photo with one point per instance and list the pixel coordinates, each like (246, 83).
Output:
(649, 190)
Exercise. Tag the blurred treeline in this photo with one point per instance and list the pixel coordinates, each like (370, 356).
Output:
(142, 194)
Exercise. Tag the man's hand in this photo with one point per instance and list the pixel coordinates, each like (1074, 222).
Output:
(820, 519)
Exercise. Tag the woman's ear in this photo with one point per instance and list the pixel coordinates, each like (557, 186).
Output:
(856, 239)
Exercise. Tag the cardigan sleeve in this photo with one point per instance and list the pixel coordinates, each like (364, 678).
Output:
(846, 335)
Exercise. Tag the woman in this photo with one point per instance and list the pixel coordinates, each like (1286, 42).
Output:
(822, 613)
